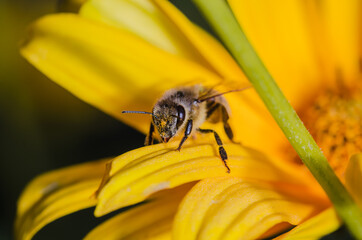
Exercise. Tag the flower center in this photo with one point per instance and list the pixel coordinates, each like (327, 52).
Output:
(335, 121)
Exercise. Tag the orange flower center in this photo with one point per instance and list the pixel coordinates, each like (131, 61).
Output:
(335, 121)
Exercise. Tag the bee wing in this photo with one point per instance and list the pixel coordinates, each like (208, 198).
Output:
(212, 94)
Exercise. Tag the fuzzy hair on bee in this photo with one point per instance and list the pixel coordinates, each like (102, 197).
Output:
(173, 110)
(183, 110)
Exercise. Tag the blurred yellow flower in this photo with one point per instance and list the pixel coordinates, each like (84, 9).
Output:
(120, 55)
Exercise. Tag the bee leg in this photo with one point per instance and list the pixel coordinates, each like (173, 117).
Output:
(149, 137)
(188, 131)
(228, 131)
(227, 128)
(222, 151)
(224, 115)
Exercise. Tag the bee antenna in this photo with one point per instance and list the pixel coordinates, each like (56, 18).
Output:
(235, 90)
(140, 112)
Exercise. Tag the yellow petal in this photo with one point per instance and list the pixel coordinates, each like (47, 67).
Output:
(353, 177)
(56, 194)
(137, 174)
(314, 228)
(280, 33)
(142, 18)
(233, 208)
(253, 125)
(150, 220)
(164, 26)
(111, 69)
(342, 23)
(335, 29)
(211, 50)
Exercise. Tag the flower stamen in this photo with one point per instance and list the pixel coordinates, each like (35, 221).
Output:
(335, 122)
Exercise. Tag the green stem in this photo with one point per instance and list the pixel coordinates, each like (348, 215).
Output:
(226, 26)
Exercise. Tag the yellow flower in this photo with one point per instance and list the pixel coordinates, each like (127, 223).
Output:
(121, 55)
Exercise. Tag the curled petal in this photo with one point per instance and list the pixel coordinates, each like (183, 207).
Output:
(152, 219)
(233, 208)
(353, 177)
(56, 194)
(315, 228)
(137, 174)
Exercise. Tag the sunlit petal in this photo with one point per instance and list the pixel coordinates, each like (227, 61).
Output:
(314, 228)
(139, 173)
(56, 194)
(150, 220)
(233, 208)
(212, 51)
(111, 69)
(353, 177)
(161, 24)
(142, 18)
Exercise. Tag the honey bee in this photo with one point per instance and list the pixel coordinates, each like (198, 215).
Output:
(183, 110)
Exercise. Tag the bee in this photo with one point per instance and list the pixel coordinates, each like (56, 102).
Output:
(183, 110)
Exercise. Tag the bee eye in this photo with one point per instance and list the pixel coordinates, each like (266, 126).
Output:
(180, 115)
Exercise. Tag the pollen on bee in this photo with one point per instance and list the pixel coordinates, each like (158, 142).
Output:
(163, 123)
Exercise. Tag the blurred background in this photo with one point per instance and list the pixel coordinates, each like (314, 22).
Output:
(43, 127)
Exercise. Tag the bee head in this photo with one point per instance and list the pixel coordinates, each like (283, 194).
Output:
(167, 119)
